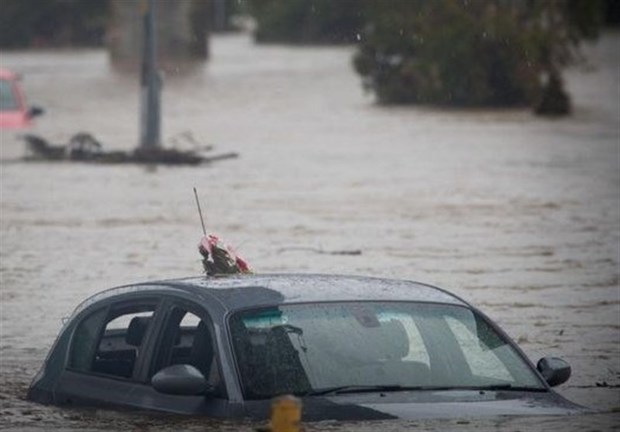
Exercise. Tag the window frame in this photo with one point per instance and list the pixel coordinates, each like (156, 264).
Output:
(111, 308)
(169, 304)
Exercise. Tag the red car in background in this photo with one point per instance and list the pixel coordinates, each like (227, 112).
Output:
(14, 113)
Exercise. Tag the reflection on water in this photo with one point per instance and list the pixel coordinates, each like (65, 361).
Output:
(516, 214)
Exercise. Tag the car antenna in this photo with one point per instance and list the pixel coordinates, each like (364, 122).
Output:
(202, 221)
(217, 258)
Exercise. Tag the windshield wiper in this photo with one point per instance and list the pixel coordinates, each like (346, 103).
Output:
(359, 388)
(511, 387)
(395, 387)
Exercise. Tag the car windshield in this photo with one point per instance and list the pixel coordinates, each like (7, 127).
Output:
(320, 348)
(8, 102)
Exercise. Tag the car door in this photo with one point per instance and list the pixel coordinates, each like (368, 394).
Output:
(116, 349)
(108, 348)
(185, 336)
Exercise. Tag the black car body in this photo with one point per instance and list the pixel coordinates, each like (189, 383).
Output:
(351, 347)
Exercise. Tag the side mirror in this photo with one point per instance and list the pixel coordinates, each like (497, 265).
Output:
(35, 111)
(554, 370)
(180, 379)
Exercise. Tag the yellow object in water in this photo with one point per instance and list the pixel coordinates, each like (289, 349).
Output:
(286, 414)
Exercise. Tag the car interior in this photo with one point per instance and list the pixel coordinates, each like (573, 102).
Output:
(119, 348)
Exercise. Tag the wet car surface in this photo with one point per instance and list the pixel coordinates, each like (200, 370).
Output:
(353, 348)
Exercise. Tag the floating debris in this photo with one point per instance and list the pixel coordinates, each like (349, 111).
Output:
(83, 147)
(39, 148)
(352, 252)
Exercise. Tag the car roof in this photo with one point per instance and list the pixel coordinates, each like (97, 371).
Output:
(245, 291)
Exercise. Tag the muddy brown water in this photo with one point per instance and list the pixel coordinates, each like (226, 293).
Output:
(519, 215)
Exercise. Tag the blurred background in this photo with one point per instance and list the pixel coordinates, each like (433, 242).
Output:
(447, 52)
(474, 145)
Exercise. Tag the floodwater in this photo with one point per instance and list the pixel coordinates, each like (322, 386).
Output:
(517, 214)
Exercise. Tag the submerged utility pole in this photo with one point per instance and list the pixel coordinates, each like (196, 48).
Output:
(150, 121)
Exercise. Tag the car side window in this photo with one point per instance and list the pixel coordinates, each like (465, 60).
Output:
(188, 339)
(85, 340)
(8, 101)
(110, 342)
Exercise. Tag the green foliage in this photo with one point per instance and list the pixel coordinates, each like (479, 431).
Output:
(25, 23)
(307, 21)
(469, 53)
(584, 18)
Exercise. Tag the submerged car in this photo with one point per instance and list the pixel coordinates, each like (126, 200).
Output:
(352, 348)
(14, 113)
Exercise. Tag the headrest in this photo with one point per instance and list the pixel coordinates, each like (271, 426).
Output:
(202, 339)
(389, 341)
(137, 330)
(202, 352)
(353, 343)
(396, 342)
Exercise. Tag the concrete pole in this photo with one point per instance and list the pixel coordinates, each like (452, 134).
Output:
(219, 12)
(182, 34)
(150, 123)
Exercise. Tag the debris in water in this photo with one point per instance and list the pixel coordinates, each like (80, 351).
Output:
(39, 148)
(83, 147)
(351, 252)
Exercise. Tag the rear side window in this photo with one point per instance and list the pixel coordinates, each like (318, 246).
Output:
(85, 341)
(111, 342)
